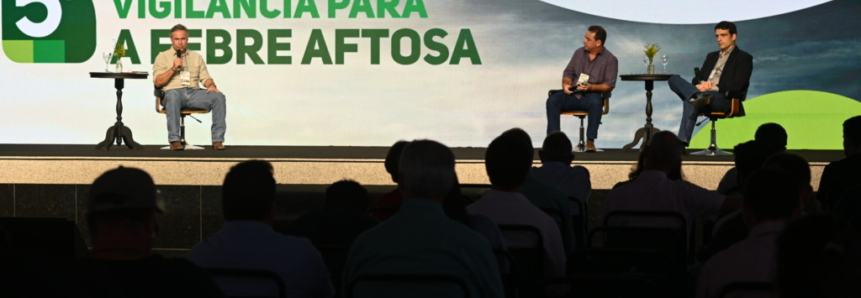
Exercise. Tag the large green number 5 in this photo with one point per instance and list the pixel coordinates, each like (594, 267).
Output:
(46, 27)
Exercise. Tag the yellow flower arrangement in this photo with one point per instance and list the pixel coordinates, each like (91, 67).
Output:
(120, 50)
(651, 50)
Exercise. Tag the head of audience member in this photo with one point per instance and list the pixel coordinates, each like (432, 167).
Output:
(726, 34)
(521, 134)
(852, 136)
(348, 191)
(248, 193)
(767, 197)
(594, 39)
(818, 256)
(507, 162)
(556, 148)
(664, 153)
(639, 167)
(121, 208)
(426, 171)
(799, 168)
(772, 134)
(392, 159)
(749, 157)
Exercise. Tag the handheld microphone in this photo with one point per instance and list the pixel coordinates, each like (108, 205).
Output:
(179, 55)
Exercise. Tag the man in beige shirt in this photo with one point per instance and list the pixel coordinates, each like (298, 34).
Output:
(180, 76)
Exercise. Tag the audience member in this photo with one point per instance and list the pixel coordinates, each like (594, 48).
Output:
(420, 239)
(652, 190)
(770, 133)
(768, 203)
(340, 221)
(454, 205)
(730, 229)
(392, 200)
(556, 170)
(675, 174)
(121, 217)
(547, 197)
(844, 173)
(507, 164)
(247, 240)
(848, 206)
(818, 256)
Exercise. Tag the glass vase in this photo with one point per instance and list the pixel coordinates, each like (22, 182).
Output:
(119, 67)
(650, 69)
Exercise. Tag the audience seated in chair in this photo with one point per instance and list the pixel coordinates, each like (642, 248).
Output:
(247, 240)
(842, 174)
(771, 197)
(749, 157)
(420, 239)
(848, 206)
(392, 199)
(454, 206)
(121, 216)
(556, 169)
(342, 219)
(770, 133)
(818, 256)
(546, 196)
(652, 190)
(508, 161)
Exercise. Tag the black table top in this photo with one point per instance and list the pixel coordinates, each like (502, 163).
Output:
(119, 75)
(646, 77)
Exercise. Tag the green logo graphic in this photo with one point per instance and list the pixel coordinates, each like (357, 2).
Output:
(49, 31)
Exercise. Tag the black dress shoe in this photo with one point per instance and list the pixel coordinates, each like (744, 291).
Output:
(702, 99)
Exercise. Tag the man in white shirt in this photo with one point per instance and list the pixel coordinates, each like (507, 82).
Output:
(507, 162)
(653, 191)
(771, 197)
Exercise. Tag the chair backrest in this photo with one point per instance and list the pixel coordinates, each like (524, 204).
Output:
(747, 288)
(55, 239)
(250, 274)
(670, 275)
(159, 94)
(580, 221)
(604, 286)
(665, 240)
(668, 219)
(419, 281)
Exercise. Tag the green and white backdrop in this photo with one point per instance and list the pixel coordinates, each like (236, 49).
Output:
(370, 72)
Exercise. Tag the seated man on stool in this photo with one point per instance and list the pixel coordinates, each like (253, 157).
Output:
(179, 76)
(591, 71)
(725, 75)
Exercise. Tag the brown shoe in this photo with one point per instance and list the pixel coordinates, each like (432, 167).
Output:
(176, 146)
(217, 145)
(590, 146)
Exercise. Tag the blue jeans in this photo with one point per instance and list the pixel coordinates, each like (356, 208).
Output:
(685, 90)
(590, 102)
(177, 99)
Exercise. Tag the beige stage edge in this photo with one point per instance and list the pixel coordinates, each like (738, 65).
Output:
(211, 171)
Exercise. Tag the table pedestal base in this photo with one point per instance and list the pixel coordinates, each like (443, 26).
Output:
(641, 134)
(119, 133)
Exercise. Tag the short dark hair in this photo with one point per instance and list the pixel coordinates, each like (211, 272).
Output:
(750, 156)
(248, 191)
(427, 169)
(178, 27)
(348, 190)
(767, 197)
(852, 130)
(818, 256)
(393, 157)
(600, 33)
(727, 25)
(507, 161)
(793, 164)
(773, 134)
(556, 147)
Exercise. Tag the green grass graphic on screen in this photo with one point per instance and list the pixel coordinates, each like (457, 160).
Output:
(812, 119)
(49, 31)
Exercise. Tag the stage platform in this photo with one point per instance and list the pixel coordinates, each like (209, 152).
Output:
(53, 180)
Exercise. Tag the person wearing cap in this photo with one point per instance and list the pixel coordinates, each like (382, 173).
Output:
(121, 218)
